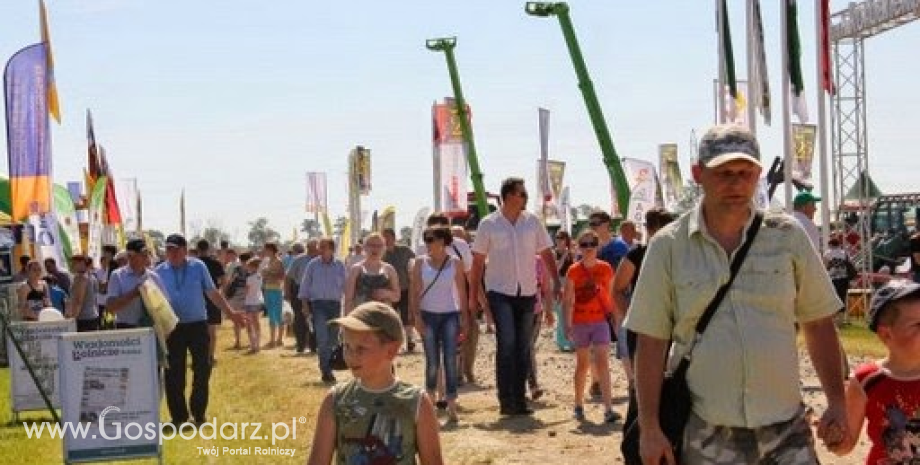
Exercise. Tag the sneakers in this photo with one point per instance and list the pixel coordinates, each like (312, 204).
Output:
(611, 416)
(579, 413)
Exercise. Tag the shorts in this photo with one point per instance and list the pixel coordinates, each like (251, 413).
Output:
(585, 335)
(403, 308)
(789, 441)
(214, 315)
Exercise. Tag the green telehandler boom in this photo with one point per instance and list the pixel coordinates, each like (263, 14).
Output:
(611, 160)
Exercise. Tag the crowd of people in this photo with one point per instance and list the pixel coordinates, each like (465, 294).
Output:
(640, 291)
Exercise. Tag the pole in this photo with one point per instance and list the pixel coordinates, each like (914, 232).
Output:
(821, 140)
(611, 159)
(787, 128)
(447, 46)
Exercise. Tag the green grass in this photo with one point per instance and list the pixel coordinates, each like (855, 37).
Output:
(859, 341)
(266, 388)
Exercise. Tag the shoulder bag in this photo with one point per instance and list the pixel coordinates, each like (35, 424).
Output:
(676, 401)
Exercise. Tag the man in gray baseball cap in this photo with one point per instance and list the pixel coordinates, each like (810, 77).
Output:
(739, 375)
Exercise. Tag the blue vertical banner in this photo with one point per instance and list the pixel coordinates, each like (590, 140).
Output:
(28, 132)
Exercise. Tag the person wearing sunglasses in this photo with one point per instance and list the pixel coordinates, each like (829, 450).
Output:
(588, 305)
(438, 303)
(509, 238)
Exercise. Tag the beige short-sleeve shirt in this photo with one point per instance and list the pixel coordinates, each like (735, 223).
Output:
(744, 370)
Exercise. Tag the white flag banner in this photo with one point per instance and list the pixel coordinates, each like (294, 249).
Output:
(643, 185)
(316, 192)
(728, 110)
(672, 182)
(452, 158)
(543, 167)
(126, 194)
(47, 238)
(762, 196)
(418, 227)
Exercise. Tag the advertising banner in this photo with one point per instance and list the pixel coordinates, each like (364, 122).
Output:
(451, 170)
(672, 183)
(38, 340)
(113, 393)
(316, 192)
(803, 135)
(642, 185)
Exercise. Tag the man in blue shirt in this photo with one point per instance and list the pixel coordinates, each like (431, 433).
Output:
(186, 282)
(321, 290)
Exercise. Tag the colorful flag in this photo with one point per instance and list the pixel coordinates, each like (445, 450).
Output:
(565, 203)
(827, 80)
(375, 223)
(672, 183)
(759, 80)
(794, 73)
(54, 107)
(345, 240)
(66, 214)
(642, 187)
(28, 132)
(316, 192)
(140, 214)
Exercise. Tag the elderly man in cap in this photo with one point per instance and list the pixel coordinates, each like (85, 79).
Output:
(743, 374)
(186, 282)
(803, 209)
(124, 297)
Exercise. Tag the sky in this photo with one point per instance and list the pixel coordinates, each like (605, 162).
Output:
(235, 101)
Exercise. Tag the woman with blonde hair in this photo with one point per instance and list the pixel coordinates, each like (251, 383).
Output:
(371, 279)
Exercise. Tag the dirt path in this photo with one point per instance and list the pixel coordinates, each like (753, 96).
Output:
(552, 435)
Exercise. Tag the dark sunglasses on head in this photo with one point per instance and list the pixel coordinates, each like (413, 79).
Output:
(588, 245)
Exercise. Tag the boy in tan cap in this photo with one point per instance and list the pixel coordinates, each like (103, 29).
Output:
(375, 418)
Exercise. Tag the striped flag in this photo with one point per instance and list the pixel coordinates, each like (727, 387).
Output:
(182, 212)
(759, 80)
(28, 132)
(54, 106)
(794, 73)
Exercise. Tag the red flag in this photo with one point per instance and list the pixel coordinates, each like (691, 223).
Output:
(112, 212)
(827, 81)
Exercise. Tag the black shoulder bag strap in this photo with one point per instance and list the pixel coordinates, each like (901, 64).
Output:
(438, 275)
(720, 294)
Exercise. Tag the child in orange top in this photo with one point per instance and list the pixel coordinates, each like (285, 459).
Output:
(887, 392)
(588, 304)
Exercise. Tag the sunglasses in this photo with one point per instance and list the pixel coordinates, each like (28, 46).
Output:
(595, 224)
(588, 245)
(522, 194)
(429, 239)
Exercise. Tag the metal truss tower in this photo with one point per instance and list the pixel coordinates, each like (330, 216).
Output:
(849, 129)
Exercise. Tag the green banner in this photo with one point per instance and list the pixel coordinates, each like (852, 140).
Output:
(96, 217)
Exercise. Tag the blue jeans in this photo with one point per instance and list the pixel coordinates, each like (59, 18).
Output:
(326, 337)
(513, 333)
(441, 341)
